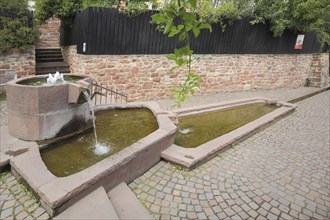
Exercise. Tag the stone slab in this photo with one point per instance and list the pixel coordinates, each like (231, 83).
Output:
(95, 205)
(126, 204)
(11, 146)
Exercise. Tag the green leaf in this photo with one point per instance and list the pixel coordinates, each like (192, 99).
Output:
(168, 27)
(178, 52)
(189, 27)
(192, 3)
(180, 27)
(174, 31)
(182, 37)
(196, 31)
(206, 26)
(159, 18)
(171, 56)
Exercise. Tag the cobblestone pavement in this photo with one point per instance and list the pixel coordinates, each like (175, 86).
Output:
(281, 172)
(16, 202)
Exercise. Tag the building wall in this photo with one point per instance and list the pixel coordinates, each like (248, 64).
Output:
(23, 62)
(145, 77)
(49, 34)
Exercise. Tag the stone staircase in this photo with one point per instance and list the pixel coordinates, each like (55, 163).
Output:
(50, 60)
(118, 203)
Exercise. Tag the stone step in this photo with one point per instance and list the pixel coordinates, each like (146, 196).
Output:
(127, 206)
(48, 50)
(49, 59)
(95, 205)
(48, 55)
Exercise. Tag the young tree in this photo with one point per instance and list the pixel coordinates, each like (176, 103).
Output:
(16, 25)
(178, 19)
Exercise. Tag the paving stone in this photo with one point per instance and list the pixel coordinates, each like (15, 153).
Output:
(229, 211)
(262, 212)
(271, 216)
(208, 211)
(253, 214)
(198, 208)
(191, 215)
(8, 204)
(6, 212)
(22, 215)
(201, 215)
(275, 211)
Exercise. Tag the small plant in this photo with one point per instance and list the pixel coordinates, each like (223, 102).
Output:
(178, 19)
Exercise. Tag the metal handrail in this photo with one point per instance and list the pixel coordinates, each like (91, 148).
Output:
(103, 95)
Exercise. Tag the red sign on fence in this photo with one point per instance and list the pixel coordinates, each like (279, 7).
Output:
(299, 41)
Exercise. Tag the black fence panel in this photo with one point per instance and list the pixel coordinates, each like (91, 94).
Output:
(99, 31)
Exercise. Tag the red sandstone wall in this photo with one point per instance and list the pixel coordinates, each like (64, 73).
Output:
(145, 77)
(22, 62)
(49, 34)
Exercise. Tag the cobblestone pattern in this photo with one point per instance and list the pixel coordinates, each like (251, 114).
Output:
(16, 202)
(281, 172)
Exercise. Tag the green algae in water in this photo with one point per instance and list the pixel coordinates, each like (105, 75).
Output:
(118, 129)
(202, 128)
(43, 81)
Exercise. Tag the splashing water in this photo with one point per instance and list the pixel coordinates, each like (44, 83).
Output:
(57, 78)
(185, 131)
(99, 149)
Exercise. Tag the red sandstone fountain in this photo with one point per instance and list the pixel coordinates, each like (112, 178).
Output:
(38, 110)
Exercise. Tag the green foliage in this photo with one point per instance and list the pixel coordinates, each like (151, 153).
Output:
(15, 32)
(99, 3)
(178, 19)
(63, 9)
(217, 13)
(134, 8)
(297, 15)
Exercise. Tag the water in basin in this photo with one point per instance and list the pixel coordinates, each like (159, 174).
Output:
(200, 128)
(43, 81)
(118, 129)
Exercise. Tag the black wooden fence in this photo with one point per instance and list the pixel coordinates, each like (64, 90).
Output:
(106, 31)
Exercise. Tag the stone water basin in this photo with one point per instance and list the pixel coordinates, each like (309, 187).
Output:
(116, 129)
(37, 111)
(57, 193)
(207, 130)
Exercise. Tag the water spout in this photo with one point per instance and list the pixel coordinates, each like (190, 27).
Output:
(99, 149)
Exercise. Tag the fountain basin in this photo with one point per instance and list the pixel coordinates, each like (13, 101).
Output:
(116, 129)
(191, 156)
(58, 193)
(37, 111)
